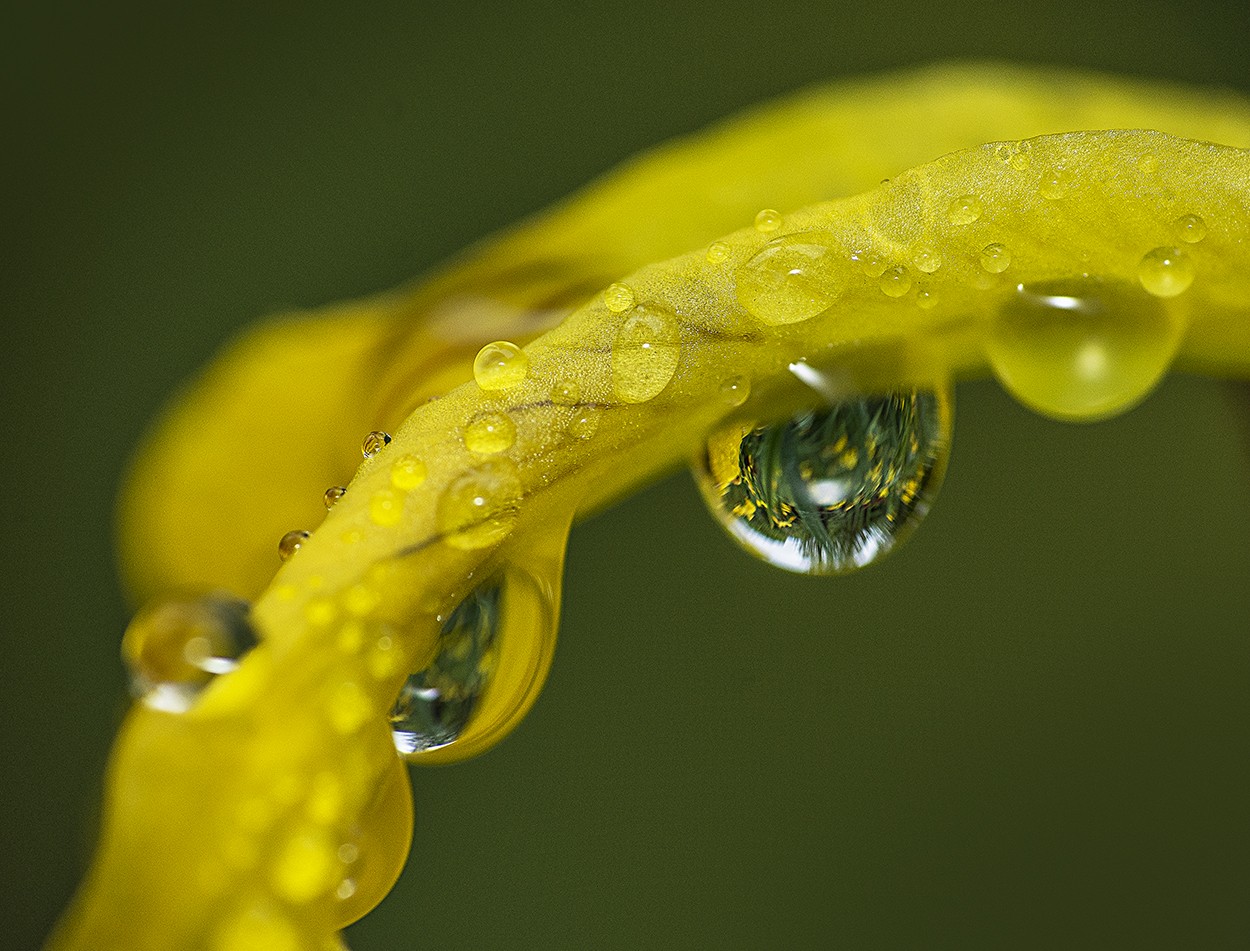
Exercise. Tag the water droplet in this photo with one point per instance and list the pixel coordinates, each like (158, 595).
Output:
(492, 657)
(995, 258)
(735, 390)
(490, 434)
(1021, 158)
(767, 220)
(407, 473)
(480, 507)
(926, 299)
(566, 393)
(792, 279)
(500, 365)
(1056, 183)
(619, 298)
(585, 422)
(292, 542)
(927, 260)
(1004, 152)
(174, 649)
(374, 443)
(645, 354)
(386, 507)
(964, 210)
(717, 252)
(333, 494)
(895, 281)
(1082, 349)
(1165, 272)
(871, 263)
(1190, 228)
(832, 489)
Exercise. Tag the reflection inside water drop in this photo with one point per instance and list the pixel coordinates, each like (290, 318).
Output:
(175, 648)
(831, 489)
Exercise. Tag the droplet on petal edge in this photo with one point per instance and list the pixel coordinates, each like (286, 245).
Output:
(292, 542)
(374, 443)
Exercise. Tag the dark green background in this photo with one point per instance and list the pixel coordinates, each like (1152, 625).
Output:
(1031, 728)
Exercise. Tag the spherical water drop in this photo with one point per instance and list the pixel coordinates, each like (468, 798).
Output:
(585, 422)
(1081, 349)
(767, 220)
(735, 390)
(964, 210)
(480, 507)
(332, 495)
(1056, 183)
(927, 260)
(374, 443)
(174, 649)
(407, 473)
(1166, 272)
(490, 434)
(871, 263)
(895, 281)
(386, 508)
(292, 542)
(566, 393)
(995, 258)
(792, 279)
(500, 365)
(1190, 228)
(832, 489)
(645, 354)
(618, 298)
(717, 252)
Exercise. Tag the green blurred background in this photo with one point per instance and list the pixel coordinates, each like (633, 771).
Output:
(1030, 728)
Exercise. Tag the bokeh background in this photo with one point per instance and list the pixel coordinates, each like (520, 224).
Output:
(1029, 728)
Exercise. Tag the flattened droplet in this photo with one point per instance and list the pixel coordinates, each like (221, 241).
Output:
(995, 258)
(895, 281)
(964, 210)
(490, 434)
(645, 354)
(792, 279)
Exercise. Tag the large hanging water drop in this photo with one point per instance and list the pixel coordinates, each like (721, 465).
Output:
(174, 649)
(831, 489)
(1083, 349)
(493, 654)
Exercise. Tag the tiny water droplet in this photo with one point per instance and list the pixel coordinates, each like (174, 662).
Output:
(566, 393)
(995, 258)
(926, 299)
(333, 494)
(793, 278)
(500, 365)
(174, 649)
(374, 443)
(480, 507)
(618, 298)
(1082, 349)
(832, 489)
(1003, 152)
(735, 390)
(1190, 228)
(1021, 158)
(927, 260)
(964, 210)
(1056, 183)
(490, 434)
(585, 422)
(407, 473)
(717, 252)
(767, 220)
(1166, 272)
(895, 281)
(386, 508)
(871, 263)
(291, 542)
(645, 353)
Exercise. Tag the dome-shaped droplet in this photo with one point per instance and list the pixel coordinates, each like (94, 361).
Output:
(895, 281)
(500, 365)
(831, 489)
(407, 473)
(585, 422)
(291, 542)
(480, 507)
(964, 210)
(926, 260)
(333, 494)
(566, 393)
(792, 279)
(618, 298)
(645, 353)
(734, 390)
(374, 443)
(1166, 272)
(492, 657)
(717, 252)
(1190, 228)
(1082, 349)
(490, 434)
(768, 220)
(1056, 183)
(174, 649)
(995, 258)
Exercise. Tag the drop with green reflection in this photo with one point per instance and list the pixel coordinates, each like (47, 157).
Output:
(831, 489)
(1083, 349)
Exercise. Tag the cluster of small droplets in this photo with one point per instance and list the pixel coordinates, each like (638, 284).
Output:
(374, 443)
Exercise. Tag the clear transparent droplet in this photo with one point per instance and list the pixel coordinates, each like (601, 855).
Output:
(1190, 228)
(792, 279)
(500, 366)
(374, 443)
(175, 648)
(333, 494)
(964, 210)
(1082, 349)
(1166, 272)
(927, 260)
(995, 258)
(490, 434)
(645, 353)
(834, 488)
(291, 542)
(618, 298)
(895, 281)
(717, 252)
(768, 220)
